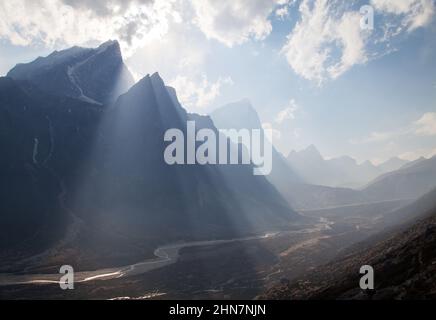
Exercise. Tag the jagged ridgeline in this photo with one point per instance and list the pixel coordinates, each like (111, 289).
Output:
(82, 165)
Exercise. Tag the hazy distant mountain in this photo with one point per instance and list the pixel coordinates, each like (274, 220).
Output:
(402, 258)
(237, 115)
(293, 186)
(242, 115)
(92, 180)
(392, 164)
(409, 182)
(308, 181)
(337, 172)
(413, 163)
(92, 75)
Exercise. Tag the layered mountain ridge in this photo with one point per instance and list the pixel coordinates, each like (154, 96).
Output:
(342, 172)
(96, 187)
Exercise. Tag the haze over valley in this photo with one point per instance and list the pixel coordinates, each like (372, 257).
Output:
(345, 125)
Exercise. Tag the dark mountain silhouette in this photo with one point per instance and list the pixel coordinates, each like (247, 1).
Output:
(42, 137)
(89, 181)
(138, 190)
(403, 258)
(93, 75)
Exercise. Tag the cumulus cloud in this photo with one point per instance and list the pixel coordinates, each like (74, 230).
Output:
(198, 93)
(234, 22)
(288, 113)
(104, 7)
(327, 41)
(58, 23)
(324, 43)
(414, 13)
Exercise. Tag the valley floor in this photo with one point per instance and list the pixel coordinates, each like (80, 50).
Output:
(224, 270)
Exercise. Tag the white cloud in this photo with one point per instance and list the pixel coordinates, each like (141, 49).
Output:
(234, 22)
(324, 44)
(198, 93)
(282, 12)
(414, 13)
(288, 113)
(426, 125)
(58, 23)
(328, 40)
(179, 52)
(135, 23)
(103, 7)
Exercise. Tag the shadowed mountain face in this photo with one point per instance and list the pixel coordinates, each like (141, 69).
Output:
(403, 260)
(92, 75)
(140, 192)
(87, 178)
(43, 137)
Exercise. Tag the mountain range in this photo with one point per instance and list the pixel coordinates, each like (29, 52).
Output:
(84, 179)
(305, 178)
(342, 172)
(410, 182)
(84, 173)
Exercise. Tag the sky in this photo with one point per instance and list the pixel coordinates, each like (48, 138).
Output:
(311, 70)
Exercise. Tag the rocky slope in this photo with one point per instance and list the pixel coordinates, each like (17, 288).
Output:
(403, 258)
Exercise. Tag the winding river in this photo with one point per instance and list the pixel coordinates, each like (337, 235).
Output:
(165, 255)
